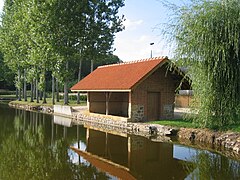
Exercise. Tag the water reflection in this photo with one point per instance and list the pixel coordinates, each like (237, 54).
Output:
(64, 121)
(134, 157)
(33, 147)
(212, 166)
(37, 146)
(140, 157)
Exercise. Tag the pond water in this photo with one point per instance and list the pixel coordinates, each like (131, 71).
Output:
(37, 146)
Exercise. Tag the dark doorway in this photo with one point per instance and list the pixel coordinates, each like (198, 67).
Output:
(153, 106)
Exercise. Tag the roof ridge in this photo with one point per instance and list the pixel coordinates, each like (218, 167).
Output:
(135, 61)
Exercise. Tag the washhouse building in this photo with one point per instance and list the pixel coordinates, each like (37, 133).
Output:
(142, 90)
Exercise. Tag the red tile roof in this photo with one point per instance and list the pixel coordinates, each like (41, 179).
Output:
(122, 77)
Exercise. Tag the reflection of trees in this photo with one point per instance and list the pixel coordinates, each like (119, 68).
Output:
(6, 126)
(213, 166)
(27, 153)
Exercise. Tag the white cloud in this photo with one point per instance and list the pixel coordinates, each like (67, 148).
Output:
(1, 5)
(130, 47)
(144, 38)
(133, 43)
(132, 24)
(141, 29)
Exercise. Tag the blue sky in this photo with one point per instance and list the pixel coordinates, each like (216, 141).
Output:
(143, 19)
(142, 27)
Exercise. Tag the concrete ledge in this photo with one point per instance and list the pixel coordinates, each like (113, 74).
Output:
(59, 109)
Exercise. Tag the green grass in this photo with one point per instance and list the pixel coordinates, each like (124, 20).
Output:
(49, 102)
(175, 123)
(234, 128)
(188, 124)
(8, 96)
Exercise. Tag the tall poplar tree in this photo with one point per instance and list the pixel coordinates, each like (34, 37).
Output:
(38, 37)
(86, 26)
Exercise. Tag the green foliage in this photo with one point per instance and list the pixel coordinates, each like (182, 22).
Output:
(207, 36)
(6, 75)
(44, 36)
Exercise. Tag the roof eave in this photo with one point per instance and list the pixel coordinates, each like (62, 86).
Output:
(102, 90)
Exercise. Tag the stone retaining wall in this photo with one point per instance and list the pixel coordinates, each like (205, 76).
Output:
(44, 109)
(221, 140)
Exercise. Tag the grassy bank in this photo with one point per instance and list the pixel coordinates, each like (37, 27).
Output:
(175, 123)
(182, 123)
(5, 94)
(49, 102)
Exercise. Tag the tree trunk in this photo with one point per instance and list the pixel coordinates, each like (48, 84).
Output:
(37, 96)
(57, 90)
(19, 85)
(23, 90)
(32, 90)
(44, 88)
(24, 85)
(17, 93)
(65, 92)
(40, 95)
(79, 78)
(53, 89)
(66, 86)
(44, 96)
(92, 65)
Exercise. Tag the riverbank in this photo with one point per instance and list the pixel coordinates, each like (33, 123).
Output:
(227, 142)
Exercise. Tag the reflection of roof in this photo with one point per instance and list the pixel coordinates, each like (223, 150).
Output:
(123, 76)
(105, 165)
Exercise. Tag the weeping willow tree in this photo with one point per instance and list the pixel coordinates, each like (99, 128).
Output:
(207, 37)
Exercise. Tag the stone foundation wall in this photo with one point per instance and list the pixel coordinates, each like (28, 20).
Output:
(137, 113)
(168, 111)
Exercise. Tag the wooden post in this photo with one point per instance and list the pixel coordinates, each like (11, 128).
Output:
(130, 105)
(129, 152)
(107, 103)
(87, 138)
(106, 144)
(108, 95)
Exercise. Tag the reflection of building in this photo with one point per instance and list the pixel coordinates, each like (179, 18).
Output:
(140, 157)
(140, 90)
(64, 121)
